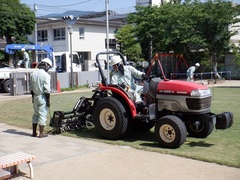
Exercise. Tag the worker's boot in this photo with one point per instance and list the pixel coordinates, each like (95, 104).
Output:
(34, 128)
(42, 135)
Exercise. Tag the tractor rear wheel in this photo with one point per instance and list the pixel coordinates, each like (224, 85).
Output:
(200, 129)
(110, 118)
(170, 131)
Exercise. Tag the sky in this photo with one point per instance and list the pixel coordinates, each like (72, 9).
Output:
(58, 6)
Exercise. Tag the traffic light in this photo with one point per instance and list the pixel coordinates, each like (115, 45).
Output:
(69, 17)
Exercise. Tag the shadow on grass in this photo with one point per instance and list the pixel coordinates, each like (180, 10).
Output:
(13, 131)
(199, 144)
(140, 139)
(131, 136)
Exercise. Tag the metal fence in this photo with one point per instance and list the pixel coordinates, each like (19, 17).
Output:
(204, 76)
(20, 81)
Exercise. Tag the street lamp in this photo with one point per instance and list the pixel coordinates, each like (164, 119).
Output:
(70, 21)
(36, 53)
(71, 57)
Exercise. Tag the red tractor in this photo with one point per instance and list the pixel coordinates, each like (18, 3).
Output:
(176, 108)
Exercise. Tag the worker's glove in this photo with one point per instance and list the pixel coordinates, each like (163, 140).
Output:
(144, 76)
(32, 93)
(122, 85)
(47, 99)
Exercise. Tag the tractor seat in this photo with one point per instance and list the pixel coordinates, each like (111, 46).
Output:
(153, 86)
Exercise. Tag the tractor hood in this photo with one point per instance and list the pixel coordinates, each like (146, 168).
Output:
(177, 87)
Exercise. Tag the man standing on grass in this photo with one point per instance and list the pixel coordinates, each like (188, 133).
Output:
(40, 90)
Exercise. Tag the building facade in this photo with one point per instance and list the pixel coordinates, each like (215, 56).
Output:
(87, 37)
(150, 2)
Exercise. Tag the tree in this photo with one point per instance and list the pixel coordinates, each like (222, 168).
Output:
(217, 16)
(128, 44)
(17, 21)
(144, 28)
(169, 27)
(183, 28)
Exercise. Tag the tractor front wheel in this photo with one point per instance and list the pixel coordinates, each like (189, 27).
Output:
(200, 129)
(170, 131)
(110, 118)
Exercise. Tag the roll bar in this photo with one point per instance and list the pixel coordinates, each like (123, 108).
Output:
(104, 80)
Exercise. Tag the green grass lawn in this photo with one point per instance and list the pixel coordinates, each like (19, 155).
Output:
(222, 146)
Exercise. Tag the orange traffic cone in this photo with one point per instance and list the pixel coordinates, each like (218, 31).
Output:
(58, 87)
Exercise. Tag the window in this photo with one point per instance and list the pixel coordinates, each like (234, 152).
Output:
(59, 34)
(112, 43)
(42, 35)
(76, 59)
(85, 55)
(41, 55)
(81, 33)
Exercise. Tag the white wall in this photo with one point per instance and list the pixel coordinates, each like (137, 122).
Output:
(235, 28)
(94, 41)
(147, 2)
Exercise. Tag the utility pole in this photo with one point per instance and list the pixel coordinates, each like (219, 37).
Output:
(107, 39)
(35, 10)
(70, 21)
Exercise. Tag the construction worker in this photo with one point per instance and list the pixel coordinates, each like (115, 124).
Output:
(25, 60)
(125, 76)
(40, 90)
(190, 72)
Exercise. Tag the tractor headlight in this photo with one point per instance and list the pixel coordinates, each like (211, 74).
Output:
(200, 92)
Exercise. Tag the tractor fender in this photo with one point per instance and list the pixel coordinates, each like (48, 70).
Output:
(124, 97)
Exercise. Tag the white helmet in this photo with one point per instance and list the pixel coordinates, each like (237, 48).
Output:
(22, 49)
(197, 64)
(115, 60)
(48, 61)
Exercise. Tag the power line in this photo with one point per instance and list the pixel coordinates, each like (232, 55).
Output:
(86, 5)
(64, 5)
(61, 8)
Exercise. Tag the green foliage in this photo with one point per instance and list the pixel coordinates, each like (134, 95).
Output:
(183, 28)
(17, 20)
(1, 55)
(235, 51)
(128, 44)
(217, 16)
(74, 88)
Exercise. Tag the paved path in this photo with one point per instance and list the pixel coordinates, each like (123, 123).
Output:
(61, 158)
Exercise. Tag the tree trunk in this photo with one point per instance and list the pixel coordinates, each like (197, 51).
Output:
(150, 51)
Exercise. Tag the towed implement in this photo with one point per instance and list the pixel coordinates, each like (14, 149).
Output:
(174, 108)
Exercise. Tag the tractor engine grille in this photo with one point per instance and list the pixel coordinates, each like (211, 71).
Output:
(198, 104)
